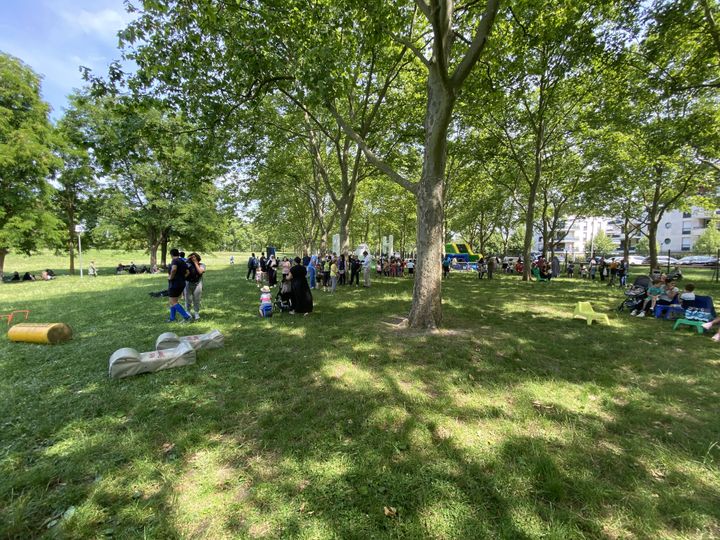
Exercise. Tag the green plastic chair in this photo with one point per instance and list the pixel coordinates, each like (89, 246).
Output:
(584, 310)
(686, 322)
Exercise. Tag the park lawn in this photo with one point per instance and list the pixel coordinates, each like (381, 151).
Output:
(514, 421)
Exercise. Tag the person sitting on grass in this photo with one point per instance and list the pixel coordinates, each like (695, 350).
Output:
(265, 302)
(688, 295)
(709, 325)
(27, 276)
(15, 276)
(653, 295)
(670, 294)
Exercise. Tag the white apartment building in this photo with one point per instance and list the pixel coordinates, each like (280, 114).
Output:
(678, 231)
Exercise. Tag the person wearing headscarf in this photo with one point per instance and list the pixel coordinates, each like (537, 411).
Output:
(302, 300)
(312, 272)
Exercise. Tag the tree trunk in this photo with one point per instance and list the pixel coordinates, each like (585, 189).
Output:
(165, 238)
(626, 233)
(3, 252)
(652, 239)
(71, 248)
(153, 248)
(527, 244)
(426, 309)
(344, 232)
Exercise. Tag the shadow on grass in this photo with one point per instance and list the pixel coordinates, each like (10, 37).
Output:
(335, 426)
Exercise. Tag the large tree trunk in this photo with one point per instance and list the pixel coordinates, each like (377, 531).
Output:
(344, 231)
(3, 252)
(426, 309)
(652, 239)
(153, 248)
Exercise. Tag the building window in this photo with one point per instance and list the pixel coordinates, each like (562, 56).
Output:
(668, 225)
(686, 244)
(687, 227)
(687, 214)
(667, 241)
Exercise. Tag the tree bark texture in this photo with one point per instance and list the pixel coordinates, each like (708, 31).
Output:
(3, 252)
(426, 309)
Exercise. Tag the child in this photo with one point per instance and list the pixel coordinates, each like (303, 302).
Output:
(265, 302)
(654, 292)
(688, 294)
(92, 271)
(583, 272)
(333, 276)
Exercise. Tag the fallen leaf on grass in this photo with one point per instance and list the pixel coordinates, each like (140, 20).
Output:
(390, 511)
(213, 376)
(657, 474)
(167, 447)
(541, 406)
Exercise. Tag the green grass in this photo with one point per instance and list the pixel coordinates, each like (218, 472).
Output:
(514, 421)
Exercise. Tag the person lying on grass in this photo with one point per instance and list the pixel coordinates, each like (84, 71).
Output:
(709, 325)
(653, 295)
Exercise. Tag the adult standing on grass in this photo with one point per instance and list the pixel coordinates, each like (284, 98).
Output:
(302, 299)
(252, 267)
(176, 285)
(194, 286)
(366, 265)
(355, 267)
(272, 270)
(491, 266)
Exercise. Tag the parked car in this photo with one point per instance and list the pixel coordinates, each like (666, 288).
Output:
(705, 260)
(662, 260)
(635, 259)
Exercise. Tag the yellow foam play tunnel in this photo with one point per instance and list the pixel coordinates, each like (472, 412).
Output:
(40, 332)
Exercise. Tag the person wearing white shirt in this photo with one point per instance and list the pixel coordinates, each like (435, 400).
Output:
(367, 264)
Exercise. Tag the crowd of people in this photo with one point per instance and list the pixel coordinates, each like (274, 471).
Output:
(45, 275)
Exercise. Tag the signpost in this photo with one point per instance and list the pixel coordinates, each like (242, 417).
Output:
(79, 229)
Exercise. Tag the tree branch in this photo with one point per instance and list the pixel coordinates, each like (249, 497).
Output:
(370, 155)
(478, 44)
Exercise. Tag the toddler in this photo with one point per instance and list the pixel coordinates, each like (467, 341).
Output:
(688, 294)
(265, 302)
(653, 293)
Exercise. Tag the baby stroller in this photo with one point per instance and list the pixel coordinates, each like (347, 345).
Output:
(635, 294)
(283, 300)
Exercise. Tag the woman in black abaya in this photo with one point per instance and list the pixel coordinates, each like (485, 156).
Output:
(302, 300)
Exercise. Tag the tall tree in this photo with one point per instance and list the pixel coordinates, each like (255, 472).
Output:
(76, 179)
(214, 57)
(26, 161)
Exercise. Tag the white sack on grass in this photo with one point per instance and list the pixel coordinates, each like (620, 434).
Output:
(170, 340)
(127, 362)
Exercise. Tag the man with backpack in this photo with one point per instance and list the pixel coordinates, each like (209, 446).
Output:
(252, 267)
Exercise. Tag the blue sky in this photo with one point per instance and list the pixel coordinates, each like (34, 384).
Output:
(54, 37)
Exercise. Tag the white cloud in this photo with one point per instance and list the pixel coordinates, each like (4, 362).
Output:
(103, 24)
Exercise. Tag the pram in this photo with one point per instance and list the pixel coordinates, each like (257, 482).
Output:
(283, 301)
(635, 294)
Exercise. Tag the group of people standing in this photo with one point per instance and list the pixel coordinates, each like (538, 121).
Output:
(185, 280)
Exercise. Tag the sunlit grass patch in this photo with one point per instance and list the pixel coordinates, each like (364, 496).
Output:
(512, 420)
